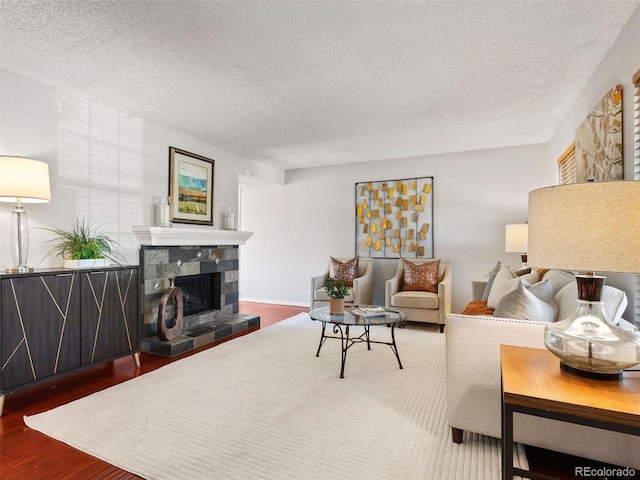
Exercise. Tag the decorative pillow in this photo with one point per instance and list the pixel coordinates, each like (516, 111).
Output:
(476, 308)
(615, 303)
(503, 283)
(528, 302)
(530, 278)
(422, 277)
(492, 276)
(347, 271)
(614, 300)
(566, 300)
(523, 271)
(558, 279)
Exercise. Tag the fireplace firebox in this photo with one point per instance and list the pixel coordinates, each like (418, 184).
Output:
(200, 293)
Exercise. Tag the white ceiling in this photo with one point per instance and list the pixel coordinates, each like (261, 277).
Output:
(306, 83)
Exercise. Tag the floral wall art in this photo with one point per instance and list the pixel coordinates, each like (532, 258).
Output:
(394, 218)
(599, 141)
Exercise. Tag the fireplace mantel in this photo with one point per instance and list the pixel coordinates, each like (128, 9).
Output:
(188, 236)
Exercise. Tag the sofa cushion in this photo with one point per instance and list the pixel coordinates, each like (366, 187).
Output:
(415, 299)
(421, 277)
(321, 295)
(614, 300)
(529, 302)
(347, 271)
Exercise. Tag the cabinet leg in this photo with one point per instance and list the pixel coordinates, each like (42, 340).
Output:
(136, 358)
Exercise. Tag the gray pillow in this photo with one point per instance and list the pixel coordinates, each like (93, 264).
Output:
(558, 278)
(614, 300)
(529, 302)
(492, 276)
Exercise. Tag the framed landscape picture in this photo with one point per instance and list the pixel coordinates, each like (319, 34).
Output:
(191, 187)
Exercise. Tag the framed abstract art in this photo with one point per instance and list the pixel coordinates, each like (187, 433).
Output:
(394, 218)
(598, 141)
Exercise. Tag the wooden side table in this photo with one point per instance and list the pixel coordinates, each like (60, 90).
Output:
(533, 384)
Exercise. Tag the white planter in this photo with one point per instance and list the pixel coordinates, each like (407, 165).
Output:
(89, 263)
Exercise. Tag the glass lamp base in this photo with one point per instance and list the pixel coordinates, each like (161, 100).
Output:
(19, 240)
(587, 343)
(19, 270)
(588, 374)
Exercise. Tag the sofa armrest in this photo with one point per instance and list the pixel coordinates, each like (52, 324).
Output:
(392, 286)
(363, 286)
(473, 367)
(444, 292)
(317, 282)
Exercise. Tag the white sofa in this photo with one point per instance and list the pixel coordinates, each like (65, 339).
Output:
(473, 392)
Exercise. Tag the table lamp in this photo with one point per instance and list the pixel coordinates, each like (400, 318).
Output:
(515, 240)
(22, 180)
(588, 227)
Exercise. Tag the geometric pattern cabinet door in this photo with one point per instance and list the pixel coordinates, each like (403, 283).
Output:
(109, 306)
(40, 327)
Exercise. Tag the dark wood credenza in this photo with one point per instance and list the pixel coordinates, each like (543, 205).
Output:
(56, 322)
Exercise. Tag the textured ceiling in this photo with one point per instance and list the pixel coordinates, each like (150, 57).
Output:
(298, 84)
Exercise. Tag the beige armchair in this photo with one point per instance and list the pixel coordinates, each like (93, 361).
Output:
(421, 306)
(360, 294)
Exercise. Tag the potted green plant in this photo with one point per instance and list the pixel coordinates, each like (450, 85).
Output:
(337, 290)
(83, 245)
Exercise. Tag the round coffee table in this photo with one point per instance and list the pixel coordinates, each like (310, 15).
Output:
(358, 315)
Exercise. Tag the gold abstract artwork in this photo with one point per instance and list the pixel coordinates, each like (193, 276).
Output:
(394, 218)
(598, 141)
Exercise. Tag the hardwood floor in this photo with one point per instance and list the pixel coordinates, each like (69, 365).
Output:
(27, 454)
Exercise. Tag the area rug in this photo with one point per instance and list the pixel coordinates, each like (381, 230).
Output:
(263, 406)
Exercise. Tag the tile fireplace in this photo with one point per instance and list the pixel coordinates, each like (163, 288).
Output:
(208, 278)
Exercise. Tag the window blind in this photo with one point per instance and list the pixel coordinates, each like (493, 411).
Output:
(567, 166)
(636, 126)
(636, 169)
(100, 164)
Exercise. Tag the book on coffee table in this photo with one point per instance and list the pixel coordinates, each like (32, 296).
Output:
(369, 311)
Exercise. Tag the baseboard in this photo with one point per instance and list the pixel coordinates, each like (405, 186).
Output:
(275, 302)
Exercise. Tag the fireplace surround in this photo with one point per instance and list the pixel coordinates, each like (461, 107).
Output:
(208, 271)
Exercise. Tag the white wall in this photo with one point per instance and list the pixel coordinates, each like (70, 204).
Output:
(617, 68)
(300, 224)
(118, 196)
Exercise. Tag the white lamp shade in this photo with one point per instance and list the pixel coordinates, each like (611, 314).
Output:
(515, 238)
(588, 227)
(25, 179)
